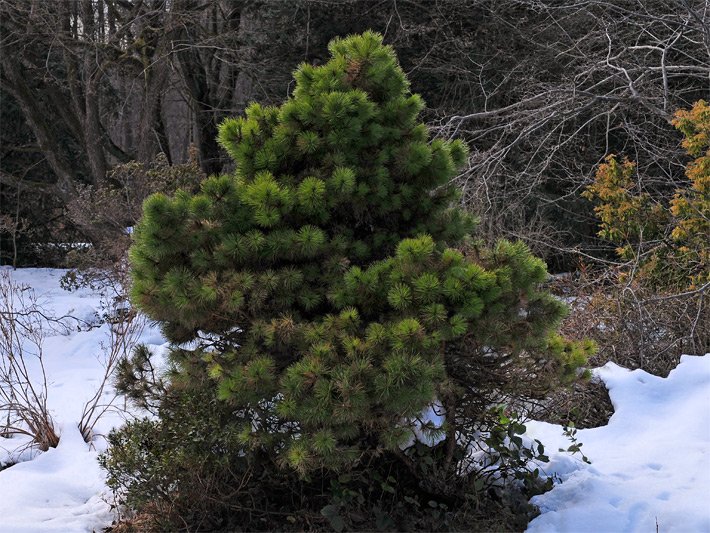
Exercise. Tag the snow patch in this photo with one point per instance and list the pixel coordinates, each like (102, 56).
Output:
(64, 489)
(650, 464)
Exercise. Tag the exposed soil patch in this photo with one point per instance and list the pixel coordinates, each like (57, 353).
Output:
(586, 405)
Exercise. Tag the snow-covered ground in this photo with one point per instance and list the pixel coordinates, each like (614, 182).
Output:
(650, 464)
(63, 489)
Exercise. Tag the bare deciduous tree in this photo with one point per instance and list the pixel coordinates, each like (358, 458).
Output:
(23, 379)
(605, 77)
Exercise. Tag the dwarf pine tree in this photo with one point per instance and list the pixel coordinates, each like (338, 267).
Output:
(328, 288)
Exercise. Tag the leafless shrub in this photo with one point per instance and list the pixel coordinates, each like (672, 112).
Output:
(13, 226)
(635, 326)
(605, 77)
(24, 325)
(23, 380)
(126, 327)
(107, 212)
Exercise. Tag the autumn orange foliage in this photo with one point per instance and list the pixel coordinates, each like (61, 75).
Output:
(668, 242)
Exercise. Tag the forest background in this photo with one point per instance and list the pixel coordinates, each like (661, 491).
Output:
(541, 90)
(104, 101)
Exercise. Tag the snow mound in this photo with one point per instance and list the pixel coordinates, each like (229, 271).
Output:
(59, 490)
(64, 489)
(650, 464)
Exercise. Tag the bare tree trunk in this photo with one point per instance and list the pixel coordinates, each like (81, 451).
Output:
(14, 82)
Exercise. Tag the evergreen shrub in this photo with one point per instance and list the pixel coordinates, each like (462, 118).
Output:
(664, 239)
(330, 292)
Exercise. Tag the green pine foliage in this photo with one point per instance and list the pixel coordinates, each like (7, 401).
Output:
(334, 274)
